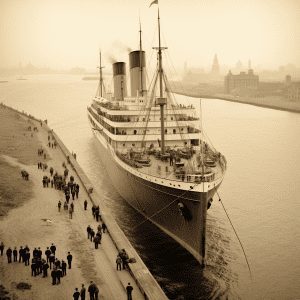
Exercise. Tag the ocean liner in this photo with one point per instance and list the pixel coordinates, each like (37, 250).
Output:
(155, 152)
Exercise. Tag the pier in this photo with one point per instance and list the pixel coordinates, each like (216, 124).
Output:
(112, 283)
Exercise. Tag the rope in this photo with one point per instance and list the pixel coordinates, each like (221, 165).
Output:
(236, 236)
(166, 206)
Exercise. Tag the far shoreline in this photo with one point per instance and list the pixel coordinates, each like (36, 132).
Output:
(220, 97)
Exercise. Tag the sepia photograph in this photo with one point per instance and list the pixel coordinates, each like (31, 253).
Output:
(149, 149)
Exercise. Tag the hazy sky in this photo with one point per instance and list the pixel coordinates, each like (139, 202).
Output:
(67, 33)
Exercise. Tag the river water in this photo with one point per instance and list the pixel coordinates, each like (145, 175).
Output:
(260, 192)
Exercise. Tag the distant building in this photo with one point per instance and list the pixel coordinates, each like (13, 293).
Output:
(241, 81)
(215, 69)
(288, 79)
(293, 91)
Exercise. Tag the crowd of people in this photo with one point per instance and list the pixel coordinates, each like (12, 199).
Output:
(39, 264)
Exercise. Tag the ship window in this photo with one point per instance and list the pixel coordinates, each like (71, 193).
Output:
(166, 130)
(133, 145)
(181, 129)
(134, 131)
(174, 130)
(172, 118)
(123, 145)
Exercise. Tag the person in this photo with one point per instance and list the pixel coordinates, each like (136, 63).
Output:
(64, 268)
(53, 248)
(51, 260)
(27, 257)
(96, 292)
(76, 294)
(129, 289)
(93, 210)
(73, 194)
(88, 230)
(70, 212)
(77, 190)
(47, 253)
(82, 292)
(33, 267)
(119, 262)
(45, 269)
(85, 203)
(15, 254)
(104, 227)
(91, 290)
(1, 248)
(96, 241)
(9, 254)
(59, 205)
(69, 258)
(92, 234)
(58, 275)
(53, 275)
(39, 253)
(124, 257)
(72, 206)
(97, 213)
(21, 254)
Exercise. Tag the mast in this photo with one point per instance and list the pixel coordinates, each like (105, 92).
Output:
(100, 76)
(161, 101)
(141, 67)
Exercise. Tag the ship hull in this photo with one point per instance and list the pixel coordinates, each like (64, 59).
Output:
(159, 204)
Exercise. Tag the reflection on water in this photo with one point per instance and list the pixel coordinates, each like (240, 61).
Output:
(260, 191)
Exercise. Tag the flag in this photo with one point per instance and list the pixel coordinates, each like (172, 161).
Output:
(153, 2)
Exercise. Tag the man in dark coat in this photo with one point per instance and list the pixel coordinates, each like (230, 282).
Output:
(51, 260)
(82, 292)
(88, 230)
(21, 254)
(15, 254)
(53, 248)
(77, 190)
(9, 254)
(63, 268)
(39, 253)
(27, 257)
(91, 290)
(96, 241)
(45, 269)
(96, 292)
(129, 289)
(103, 227)
(69, 259)
(33, 267)
(47, 253)
(53, 275)
(1, 248)
(76, 294)
(92, 234)
(58, 275)
(97, 213)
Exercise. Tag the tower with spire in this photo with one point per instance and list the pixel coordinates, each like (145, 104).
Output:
(215, 69)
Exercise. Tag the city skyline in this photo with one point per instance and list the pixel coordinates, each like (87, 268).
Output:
(69, 33)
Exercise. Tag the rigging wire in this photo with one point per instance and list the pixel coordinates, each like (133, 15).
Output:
(240, 242)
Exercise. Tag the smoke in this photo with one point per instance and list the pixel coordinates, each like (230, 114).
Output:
(119, 46)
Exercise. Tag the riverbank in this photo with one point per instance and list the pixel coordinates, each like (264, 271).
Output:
(25, 225)
(277, 103)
